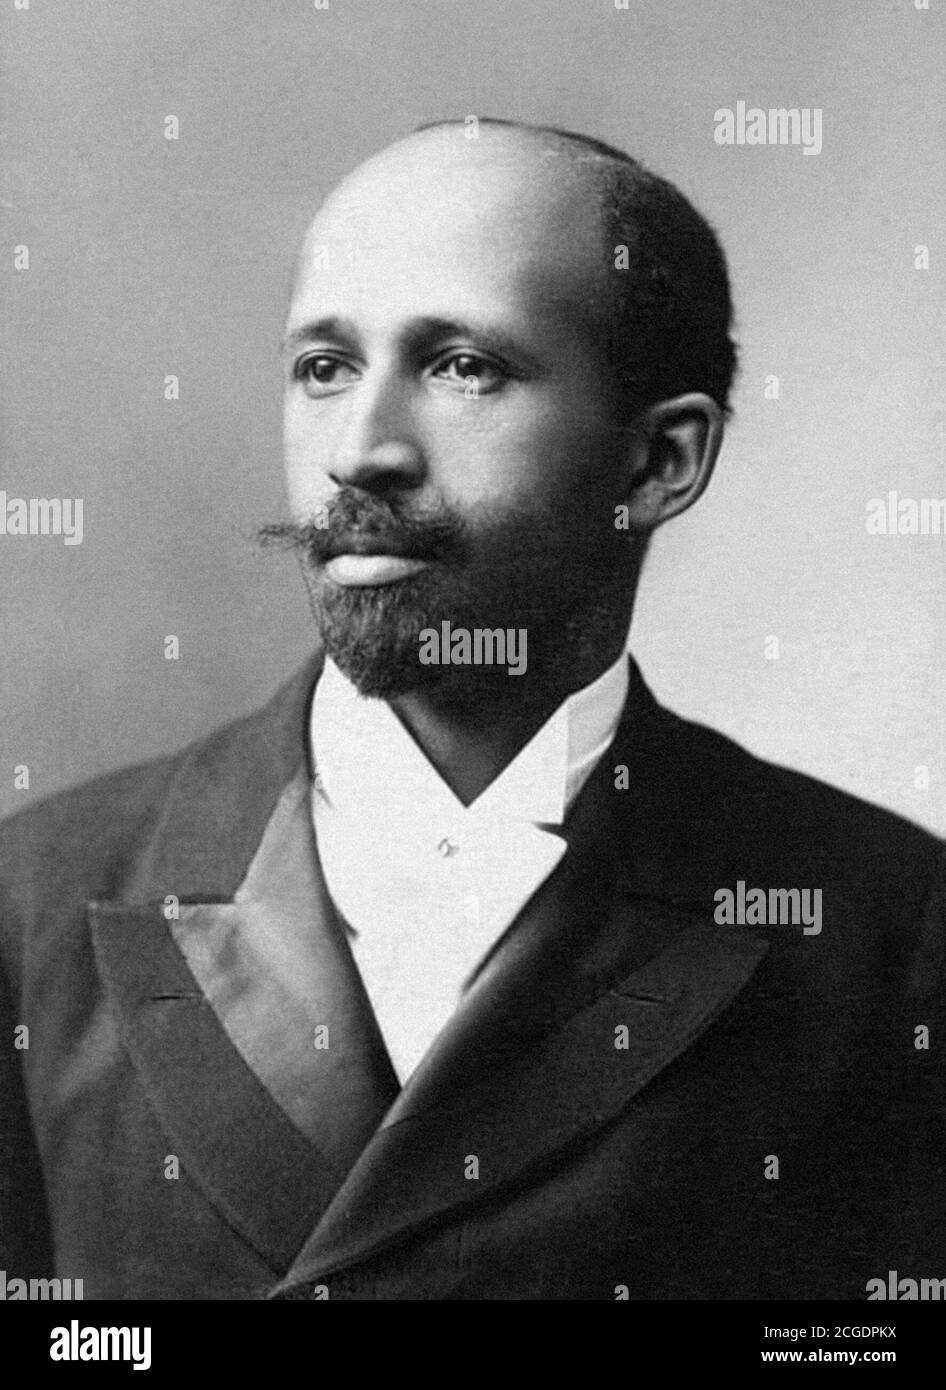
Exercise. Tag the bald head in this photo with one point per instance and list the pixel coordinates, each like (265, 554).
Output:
(503, 213)
(578, 222)
(455, 158)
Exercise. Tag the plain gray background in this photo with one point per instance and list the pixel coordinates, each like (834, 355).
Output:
(151, 257)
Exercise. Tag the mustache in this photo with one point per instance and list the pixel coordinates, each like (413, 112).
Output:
(357, 523)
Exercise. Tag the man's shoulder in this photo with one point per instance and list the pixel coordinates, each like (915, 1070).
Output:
(702, 786)
(749, 810)
(91, 831)
(78, 843)
(751, 778)
(121, 801)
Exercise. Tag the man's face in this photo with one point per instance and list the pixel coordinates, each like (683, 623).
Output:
(448, 421)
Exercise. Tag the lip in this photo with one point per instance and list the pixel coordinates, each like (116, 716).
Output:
(351, 570)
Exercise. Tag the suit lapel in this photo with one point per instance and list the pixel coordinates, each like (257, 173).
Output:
(564, 1087)
(251, 1162)
(528, 1064)
(277, 971)
(220, 1000)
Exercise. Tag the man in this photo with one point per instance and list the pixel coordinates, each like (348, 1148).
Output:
(464, 970)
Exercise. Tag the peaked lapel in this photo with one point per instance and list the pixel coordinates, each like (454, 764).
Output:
(277, 970)
(565, 1086)
(528, 1063)
(242, 1151)
(219, 999)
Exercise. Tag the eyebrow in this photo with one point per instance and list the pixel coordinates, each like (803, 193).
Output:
(415, 333)
(330, 327)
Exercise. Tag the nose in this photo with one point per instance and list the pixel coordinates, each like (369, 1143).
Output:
(377, 447)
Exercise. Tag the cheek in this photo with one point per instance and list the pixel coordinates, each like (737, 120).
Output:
(520, 456)
(306, 481)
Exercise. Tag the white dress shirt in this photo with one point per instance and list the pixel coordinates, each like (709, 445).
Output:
(425, 884)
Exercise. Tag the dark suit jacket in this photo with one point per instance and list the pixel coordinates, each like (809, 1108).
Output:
(624, 1071)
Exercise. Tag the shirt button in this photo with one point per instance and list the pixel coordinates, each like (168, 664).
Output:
(448, 847)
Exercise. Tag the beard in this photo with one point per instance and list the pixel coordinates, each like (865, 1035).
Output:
(514, 570)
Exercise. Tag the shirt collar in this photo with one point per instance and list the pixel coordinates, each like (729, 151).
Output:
(367, 764)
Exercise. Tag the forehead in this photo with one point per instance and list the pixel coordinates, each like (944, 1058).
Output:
(441, 225)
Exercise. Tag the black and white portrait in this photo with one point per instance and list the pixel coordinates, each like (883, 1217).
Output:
(472, 520)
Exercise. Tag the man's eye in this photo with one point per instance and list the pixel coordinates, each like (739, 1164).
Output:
(321, 374)
(462, 367)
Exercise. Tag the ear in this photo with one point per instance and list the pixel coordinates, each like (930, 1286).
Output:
(672, 450)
